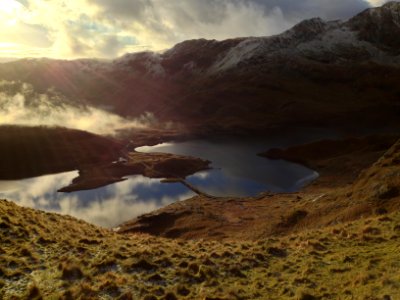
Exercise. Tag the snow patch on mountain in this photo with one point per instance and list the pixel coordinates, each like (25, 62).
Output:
(337, 40)
(148, 63)
(314, 39)
(392, 8)
(244, 50)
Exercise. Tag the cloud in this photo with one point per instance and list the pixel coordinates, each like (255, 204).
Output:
(123, 8)
(17, 32)
(103, 28)
(380, 2)
(326, 9)
(110, 46)
(21, 105)
(168, 22)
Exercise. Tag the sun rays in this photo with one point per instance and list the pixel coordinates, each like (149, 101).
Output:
(108, 29)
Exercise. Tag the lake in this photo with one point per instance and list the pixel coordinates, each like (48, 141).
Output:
(237, 171)
(107, 206)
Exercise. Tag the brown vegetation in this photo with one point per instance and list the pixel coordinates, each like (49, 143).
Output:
(338, 161)
(49, 256)
(339, 195)
(306, 245)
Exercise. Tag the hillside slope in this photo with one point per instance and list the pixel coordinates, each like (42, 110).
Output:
(48, 256)
(33, 151)
(334, 242)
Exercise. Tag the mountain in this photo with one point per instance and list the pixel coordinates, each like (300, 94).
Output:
(318, 73)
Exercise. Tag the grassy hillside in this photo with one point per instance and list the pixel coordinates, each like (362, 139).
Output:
(338, 243)
(50, 256)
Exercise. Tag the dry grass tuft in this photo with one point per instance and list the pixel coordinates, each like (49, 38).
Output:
(48, 256)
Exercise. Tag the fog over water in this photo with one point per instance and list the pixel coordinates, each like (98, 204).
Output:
(237, 170)
(20, 104)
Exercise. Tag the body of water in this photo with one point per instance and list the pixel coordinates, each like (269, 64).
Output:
(237, 171)
(107, 206)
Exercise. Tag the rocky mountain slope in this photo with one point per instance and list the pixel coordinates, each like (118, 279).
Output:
(319, 73)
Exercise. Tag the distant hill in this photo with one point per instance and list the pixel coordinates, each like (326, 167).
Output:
(318, 73)
(33, 151)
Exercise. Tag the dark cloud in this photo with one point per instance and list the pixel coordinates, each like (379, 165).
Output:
(184, 16)
(127, 9)
(111, 46)
(214, 11)
(205, 11)
(327, 9)
(76, 46)
(172, 21)
(159, 24)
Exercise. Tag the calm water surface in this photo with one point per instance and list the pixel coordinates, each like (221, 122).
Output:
(106, 206)
(238, 171)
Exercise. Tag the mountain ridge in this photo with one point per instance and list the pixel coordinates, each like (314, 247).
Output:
(318, 73)
(304, 31)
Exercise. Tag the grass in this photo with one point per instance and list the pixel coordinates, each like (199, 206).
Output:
(50, 256)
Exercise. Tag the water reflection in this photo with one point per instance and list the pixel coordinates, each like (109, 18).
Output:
(107, 206)
(238, 171)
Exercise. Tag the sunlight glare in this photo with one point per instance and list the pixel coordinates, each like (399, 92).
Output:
(9, 11)
(10, 7)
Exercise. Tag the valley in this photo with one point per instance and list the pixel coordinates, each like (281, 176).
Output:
(260, 167)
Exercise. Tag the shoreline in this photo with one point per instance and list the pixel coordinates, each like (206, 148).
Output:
(204, 222)
(151, 165)
(317, 204)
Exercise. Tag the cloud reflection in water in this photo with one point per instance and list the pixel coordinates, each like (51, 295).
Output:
(238, 170)
(107, 206)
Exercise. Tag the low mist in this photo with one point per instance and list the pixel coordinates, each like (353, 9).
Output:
(20, 104)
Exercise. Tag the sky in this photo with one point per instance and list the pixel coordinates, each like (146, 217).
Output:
(68, 29)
